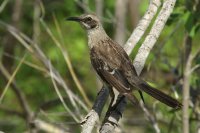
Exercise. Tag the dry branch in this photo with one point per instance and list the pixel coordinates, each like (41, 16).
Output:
(188, 70)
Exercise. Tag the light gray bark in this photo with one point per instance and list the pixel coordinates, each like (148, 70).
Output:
(120, 21)
(153, 35)
(99, 8)
(186, 84)
(133, 11)
(142, 26)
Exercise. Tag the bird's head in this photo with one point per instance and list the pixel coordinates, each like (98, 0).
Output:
(88, 21)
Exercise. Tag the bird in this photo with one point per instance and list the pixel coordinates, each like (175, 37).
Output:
(113, 65)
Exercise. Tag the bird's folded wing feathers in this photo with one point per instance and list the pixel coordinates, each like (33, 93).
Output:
(109, 74)
(115, 79)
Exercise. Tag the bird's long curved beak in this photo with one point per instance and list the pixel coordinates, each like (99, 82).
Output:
(78, 19)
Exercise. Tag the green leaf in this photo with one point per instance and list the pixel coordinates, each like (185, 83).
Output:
(194, 30)
(173, 17)
(189, 22)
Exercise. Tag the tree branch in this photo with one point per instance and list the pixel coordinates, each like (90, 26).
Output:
(120, 21)
(93, 116)
(142, 26)
(38, 123)
(9, 44)
(152, 37)
(186, 83)
(11, 112)
(48, 127)
(18, 92)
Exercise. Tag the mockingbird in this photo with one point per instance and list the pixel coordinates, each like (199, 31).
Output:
(113, 65)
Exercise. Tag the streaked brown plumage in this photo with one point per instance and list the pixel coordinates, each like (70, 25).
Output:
(113, 65)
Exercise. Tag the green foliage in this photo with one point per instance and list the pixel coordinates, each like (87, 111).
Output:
(189, 14)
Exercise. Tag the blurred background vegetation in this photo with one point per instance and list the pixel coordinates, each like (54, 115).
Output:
(43, 21)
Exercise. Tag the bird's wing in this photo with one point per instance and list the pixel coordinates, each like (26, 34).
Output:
(116, 57)
(113, 77)
(109, 72)
(114, 67)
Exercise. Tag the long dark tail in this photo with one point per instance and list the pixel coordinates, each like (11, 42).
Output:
(162, 97)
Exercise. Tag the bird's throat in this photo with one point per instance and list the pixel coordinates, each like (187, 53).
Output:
(96, 35)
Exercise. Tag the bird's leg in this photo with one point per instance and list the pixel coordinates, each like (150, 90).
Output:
(114, 112)
(115, 100)
(120, 97)
(97, 106)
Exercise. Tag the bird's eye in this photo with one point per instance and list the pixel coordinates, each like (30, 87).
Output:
(88, 18)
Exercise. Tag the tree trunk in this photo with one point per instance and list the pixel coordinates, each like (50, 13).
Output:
(9, 44)
(120, 21)
(36, 21)
(133, 6)
(99, 8)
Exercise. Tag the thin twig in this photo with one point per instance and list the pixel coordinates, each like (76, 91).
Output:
(11, 78)
(84, 5)
(60, 96)
(67, 59)
(194, 68)
(35, 50)
(48, 127)
(11, 112)
(3, 5)
(35, 66)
